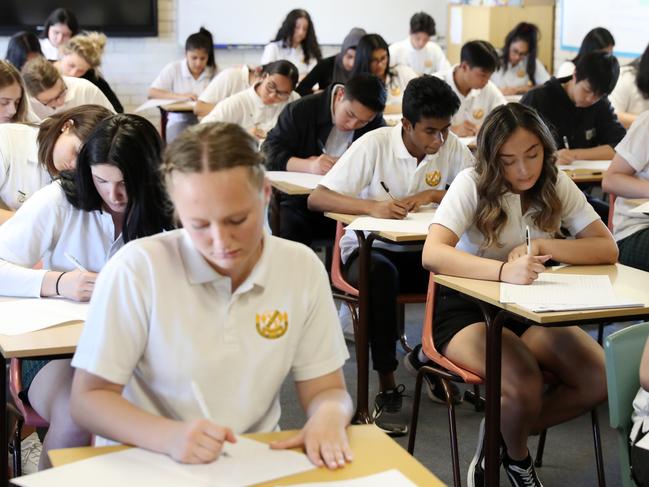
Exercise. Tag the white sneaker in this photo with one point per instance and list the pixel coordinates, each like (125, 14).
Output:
(346, 322)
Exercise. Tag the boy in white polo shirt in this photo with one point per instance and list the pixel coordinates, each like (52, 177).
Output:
(220, 303)
(471, 82)
(418, 50)
(416, 160)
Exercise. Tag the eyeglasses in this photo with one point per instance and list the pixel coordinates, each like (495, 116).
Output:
(272, 90)
(57, 98)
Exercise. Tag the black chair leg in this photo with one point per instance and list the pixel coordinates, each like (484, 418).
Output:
(401, 323)
(538, 461)
(597, 442)
(452, 433)
(17, 453)
(475, 398)
(414, 417)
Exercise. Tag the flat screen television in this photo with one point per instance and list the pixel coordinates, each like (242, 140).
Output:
(117, 18)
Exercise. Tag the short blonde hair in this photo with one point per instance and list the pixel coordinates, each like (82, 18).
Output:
(89, 46)
(213, 147)
(39, 75)
(9, 75)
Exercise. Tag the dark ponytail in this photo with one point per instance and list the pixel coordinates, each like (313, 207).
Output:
(202, 40)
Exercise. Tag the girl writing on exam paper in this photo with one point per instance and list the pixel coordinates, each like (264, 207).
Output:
(186, 78)
(13, 99)
(257, 108)
(223, 264)
(114, 196)
(31, 156)
(479, 232)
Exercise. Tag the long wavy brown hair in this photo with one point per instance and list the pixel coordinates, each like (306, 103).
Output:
(491, 217)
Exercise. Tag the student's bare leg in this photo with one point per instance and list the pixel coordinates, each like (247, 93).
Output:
(578, 362)
(49, 395)
(521, 381)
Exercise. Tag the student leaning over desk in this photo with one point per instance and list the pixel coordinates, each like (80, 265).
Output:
(387, 173)
(114, 196)
(31, 156)
(58, 28)
(228, 82)
(253, 308)
(479, 232)
(628, 177)
(629, 97)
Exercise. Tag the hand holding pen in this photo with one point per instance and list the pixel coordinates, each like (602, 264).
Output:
(391, 208)
(323, 163)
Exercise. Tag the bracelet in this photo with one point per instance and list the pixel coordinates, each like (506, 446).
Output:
(500, 271)
(56, 287)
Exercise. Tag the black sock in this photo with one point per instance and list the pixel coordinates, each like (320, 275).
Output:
(524, 463)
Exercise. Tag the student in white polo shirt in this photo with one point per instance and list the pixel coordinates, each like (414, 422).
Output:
(629, 97)
(228, 82)
(116, 195)
(479, 232)
(418, 50)
(471, 82)
(185, 79)
(220, 303)
(257, 108)
(51, 93)
(30, 156)
(414, 161)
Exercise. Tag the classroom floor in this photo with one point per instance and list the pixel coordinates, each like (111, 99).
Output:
(568, 459)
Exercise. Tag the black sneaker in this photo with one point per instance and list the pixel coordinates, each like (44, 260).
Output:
(475, 475)
(432, 384)
(521, 474)
(387, 407)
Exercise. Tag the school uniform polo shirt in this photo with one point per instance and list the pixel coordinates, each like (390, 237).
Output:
(44, 228)
(79, 92)
(161, 317)
(516, 75)
(626, 96)
(21, 175)
(50, 52)
(427, 60)
(396, 81)
(459, 207)
(634, 149)
(276, 51)
(584, 127)
(477, 104)
(227, 83)
(381, 155)
(248, 110)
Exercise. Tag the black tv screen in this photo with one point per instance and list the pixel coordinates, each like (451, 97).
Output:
(119, 18)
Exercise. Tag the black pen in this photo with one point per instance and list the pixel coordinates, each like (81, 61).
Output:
(387, 190)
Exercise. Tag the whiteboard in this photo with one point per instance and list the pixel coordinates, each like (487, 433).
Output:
(628, 21)
(255, 22)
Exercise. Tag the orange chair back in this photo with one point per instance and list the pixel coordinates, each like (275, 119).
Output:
(337, 278)
(611, 210)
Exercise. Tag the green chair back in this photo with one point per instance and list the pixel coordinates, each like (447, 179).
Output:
(623, 351)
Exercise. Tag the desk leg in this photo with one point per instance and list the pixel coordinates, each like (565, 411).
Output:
(4, 438)
(164, 116)
(362, 340)
(492, 409)
(274, 211)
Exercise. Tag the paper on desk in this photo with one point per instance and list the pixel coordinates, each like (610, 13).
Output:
(302, 179)
(157, 102)
(643, 208)
(248, 462)
(25, 315)
(595, 166)
(389, 478)
(414, 223)
(564, 292)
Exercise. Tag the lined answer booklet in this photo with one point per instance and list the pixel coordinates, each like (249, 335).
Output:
(565, 292)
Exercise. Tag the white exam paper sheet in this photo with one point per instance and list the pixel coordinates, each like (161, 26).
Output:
(643, 208)
(591, 165)
(563, 292)
(157, 102)
(248, 462)
(389, 478)
(302, 179)
(413, 223)
(25, 315)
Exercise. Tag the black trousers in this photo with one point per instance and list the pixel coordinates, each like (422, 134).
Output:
(391, 274)
(298, 223)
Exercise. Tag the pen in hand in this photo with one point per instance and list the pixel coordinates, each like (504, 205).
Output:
(202, 405)
(75, 262)
(528, 240)
(565, 143)
(387, 190)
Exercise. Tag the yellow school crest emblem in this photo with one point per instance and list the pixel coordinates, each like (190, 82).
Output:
(478, 113)
(428, 63)
(395, 91)
(272, 324)
(433, 178)
(520, 73)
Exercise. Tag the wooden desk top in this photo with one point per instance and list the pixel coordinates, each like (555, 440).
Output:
(374, 451)
(289, 188)
(180, 106)
(399, 237)
(584, 175)
(57, 340)
(627, 282)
